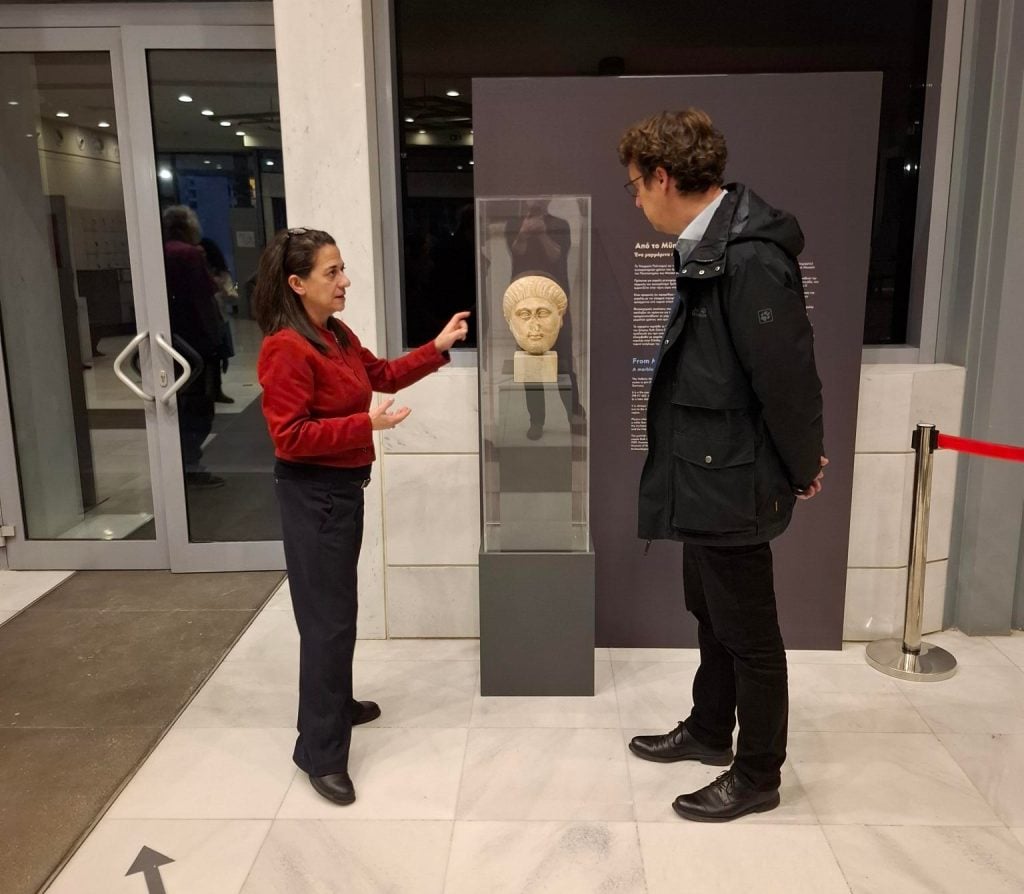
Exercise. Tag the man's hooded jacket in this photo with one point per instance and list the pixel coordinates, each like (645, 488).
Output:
(734, 415)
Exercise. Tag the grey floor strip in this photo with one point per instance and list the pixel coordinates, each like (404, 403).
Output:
(91, 676)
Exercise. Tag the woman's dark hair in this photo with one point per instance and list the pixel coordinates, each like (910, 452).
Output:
(275, 306)
(214, 256)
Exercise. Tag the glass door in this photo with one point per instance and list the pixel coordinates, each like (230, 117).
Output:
(211, 194)
(78, 437)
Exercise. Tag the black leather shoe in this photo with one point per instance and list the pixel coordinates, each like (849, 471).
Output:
(727, 798)
(678, 745)
(336, 787)
(364, 712)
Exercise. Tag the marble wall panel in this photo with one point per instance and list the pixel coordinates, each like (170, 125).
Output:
(444, 416)
(433, 601)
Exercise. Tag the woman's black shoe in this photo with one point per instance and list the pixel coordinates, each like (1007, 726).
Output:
(364, 712)
(336, 787)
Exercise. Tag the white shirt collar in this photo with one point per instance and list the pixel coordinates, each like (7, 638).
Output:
(697, 227)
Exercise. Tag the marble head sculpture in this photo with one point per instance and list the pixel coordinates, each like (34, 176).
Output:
(534, 308)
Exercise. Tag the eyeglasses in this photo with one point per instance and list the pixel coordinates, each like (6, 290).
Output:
(631, 187)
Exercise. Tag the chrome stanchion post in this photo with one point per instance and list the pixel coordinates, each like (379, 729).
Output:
(911, 659)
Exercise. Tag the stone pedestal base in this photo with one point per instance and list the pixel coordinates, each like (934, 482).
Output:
(535, 367)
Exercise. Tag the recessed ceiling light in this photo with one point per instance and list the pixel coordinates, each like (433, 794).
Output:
(63, 115)
(207, 161)
(471, 161)
(270, 163)
(225, 124)
(30, 135)
(184, 98)
(239, 133)
(165, 174)
(12, 102)
(422, 131)
(458, 167)
(103, 124)
(207, 112)
(409, 120)
(452, 93)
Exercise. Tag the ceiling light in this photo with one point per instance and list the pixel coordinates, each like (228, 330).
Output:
(207, 161)
(30, 135)
(409, 120)
(458, 167)
(12, 102)
(63, 115)
(471, 161)
(207, 112)
(239, 133)
(165, 174)
(184, 98)
(103, 124)
(452, 93)
(225, 124)
(270, 163)
(422, 131)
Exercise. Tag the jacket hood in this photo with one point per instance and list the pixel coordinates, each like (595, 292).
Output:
(743, 216)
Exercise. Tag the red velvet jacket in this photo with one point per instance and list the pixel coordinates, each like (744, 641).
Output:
(317, 406)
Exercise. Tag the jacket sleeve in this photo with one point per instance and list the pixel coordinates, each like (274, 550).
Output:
(774, 341)
(389, 376)
(286, 376)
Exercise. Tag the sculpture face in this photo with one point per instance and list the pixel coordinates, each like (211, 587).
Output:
(534, 308)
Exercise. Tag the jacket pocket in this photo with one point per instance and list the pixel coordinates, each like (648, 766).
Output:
(713, 484)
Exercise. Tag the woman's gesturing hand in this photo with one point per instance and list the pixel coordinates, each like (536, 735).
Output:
(456, 330)
(380, 418)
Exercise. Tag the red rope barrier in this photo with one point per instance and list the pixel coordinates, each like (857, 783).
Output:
(981, 448)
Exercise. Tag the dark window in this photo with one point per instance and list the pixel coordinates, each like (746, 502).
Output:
(442, 44)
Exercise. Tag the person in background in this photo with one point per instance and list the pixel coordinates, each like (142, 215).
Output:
(734, 438)
(318, 381)
(226, 292)
(197, 333)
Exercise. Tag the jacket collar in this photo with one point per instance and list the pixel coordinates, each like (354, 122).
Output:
(707, 260)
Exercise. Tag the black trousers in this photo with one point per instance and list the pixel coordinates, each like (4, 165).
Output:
(322, 527)
(742, 674)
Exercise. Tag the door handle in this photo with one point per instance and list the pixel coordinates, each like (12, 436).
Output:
(186, 369)
(130, 349)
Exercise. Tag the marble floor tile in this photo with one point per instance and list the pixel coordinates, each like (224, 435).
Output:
(598, 711)
(855, 712)
(272, 638)
(545, 774)
(398, 774)
(6, 616)
(207, 856)
(732, 858)
(929, 859)
(655, 786)
(852, 678)
(691, 656)
(1018, 834)
(368, 857)
(979, 699)
(994, 764)
(900, 779)
(1011, 646)
(851, 653)
(21, 588)
(245, 693)
(281, 600)
(545, 858)
(969, 650)
(653, 694)
(419, 693)
(418, 650)
(211, 774)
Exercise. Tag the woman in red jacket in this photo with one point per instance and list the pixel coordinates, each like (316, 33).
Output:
(317, 382)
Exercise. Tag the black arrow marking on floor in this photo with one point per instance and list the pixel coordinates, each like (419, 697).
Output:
(148, 862)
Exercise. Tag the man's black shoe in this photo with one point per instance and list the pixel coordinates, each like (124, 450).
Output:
(364, 712)
(678, 745)
(336, 787)
(727, 798)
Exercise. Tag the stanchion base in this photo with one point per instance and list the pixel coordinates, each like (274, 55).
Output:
(929, 666)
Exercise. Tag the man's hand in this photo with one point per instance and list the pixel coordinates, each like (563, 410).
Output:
(815, 486)
(381, 419)
(456, 330)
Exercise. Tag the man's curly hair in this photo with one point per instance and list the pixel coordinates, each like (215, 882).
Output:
(686, 144)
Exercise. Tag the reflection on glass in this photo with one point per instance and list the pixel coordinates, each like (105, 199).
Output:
(221, 184)
(66, 303)
(533, 260)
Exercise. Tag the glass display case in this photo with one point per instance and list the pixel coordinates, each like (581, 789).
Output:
(533, 268)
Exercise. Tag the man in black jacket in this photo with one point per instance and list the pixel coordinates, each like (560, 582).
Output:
(734, 430)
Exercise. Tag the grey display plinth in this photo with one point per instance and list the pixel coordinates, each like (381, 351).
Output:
(537, 623)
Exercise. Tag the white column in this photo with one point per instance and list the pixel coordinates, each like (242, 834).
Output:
(324, 66)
